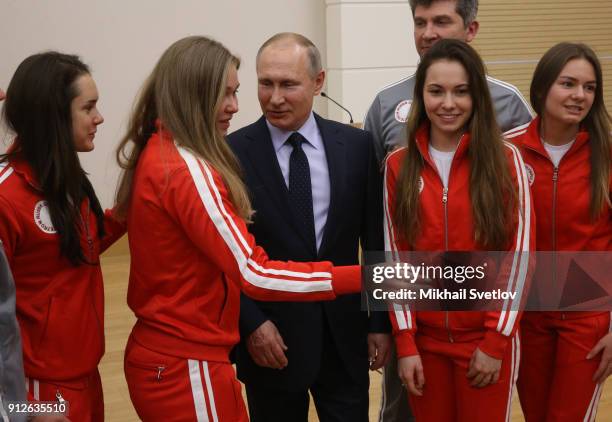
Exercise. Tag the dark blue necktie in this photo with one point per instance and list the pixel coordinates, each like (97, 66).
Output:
(300, 189)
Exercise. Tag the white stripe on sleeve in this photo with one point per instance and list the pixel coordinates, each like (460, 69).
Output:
(515, 131)
(234, 239)
(402, 313)
(520, 260)
(6, 174)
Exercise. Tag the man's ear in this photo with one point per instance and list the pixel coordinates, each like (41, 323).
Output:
(471, 31)
(319, 82)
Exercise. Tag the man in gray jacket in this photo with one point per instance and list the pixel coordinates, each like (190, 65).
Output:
(386, 121)
(433, 21)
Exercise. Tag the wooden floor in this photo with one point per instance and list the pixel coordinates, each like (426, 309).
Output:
(119, 321)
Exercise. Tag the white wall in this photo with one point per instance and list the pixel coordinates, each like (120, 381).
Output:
(369, 45)
(121, 41)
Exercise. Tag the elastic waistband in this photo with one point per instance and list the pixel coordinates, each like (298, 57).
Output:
(451, 336)
(73, 383)
(563, 315)
(154, 339)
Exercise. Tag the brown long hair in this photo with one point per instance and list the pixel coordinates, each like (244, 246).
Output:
(596, 122)
(492, 192)
(184, 91)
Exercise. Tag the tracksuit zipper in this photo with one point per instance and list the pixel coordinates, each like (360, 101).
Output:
(445, 205)
(88, 235)
(554, 208)
(90, 245)
(555, 180)
(90, 242)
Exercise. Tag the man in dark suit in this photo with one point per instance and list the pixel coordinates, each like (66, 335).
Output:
(316, 191)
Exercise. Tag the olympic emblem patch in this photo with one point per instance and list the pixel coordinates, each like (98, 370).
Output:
(530, 174)
(421, 184)
(42, 218)
(402, 110)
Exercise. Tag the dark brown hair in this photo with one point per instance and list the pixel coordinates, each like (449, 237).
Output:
(38, 110)
(492, 192)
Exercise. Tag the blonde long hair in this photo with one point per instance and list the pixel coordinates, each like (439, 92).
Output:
(184, 91)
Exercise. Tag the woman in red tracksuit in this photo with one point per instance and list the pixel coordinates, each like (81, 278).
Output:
(457, 187)
(53, 230)
(567, 355)
(190, 249)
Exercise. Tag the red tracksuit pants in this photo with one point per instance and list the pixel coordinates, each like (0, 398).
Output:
(448, 396)
(168, 388)
(555, 380)
(84, 396)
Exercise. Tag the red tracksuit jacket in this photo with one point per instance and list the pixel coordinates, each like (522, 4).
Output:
(562, 198)
(191, 256)
(447, 224)
(60, 307)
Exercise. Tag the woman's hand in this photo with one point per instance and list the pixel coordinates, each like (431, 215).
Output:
(483, 369)
(605, 366)
(410, 371)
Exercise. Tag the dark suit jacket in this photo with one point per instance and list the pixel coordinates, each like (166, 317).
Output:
(355, 214)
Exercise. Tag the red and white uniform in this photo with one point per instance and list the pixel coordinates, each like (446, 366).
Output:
(191, 257)
(446, 340)
(555, 382)
(60, 307)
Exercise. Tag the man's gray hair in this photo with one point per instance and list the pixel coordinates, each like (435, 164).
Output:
(314, 56)
(467, 9)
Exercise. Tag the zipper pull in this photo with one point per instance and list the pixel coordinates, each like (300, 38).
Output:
(555, 174)
(445, 195)
(160, 369)
(59, 397)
